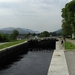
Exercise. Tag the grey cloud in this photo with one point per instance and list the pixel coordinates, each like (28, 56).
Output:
(34, 14)
(9, 5)
(18, 8)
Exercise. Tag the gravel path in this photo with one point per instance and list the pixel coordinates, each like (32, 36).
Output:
(70, 58)
(72, 41)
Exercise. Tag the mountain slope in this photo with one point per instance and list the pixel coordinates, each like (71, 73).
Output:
(59, 31)
(9, 30)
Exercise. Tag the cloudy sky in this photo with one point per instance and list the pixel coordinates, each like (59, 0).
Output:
(39, 15)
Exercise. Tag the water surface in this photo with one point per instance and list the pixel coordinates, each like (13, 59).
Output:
(33, 63)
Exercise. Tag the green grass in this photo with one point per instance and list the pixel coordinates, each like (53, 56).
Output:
(69, 46)
(11, 44)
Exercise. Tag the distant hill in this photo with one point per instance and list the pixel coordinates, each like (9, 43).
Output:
(9, 30)
(58, 31)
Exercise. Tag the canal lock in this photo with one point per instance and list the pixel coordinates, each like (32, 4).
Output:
(7, 55)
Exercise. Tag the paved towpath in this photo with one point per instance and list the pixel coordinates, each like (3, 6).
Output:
(70, 57)
(58, 64)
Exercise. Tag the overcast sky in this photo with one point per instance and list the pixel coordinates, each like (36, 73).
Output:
(39, 15)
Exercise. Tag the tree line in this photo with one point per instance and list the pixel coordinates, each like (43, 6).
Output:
(15, 34)
(43, 34)
(68, 22)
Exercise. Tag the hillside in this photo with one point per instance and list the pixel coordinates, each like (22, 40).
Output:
(58, 31)
(9, 30)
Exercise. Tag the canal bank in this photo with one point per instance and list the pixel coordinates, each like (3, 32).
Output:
(34, 62)
(58, 65)
(9, 53)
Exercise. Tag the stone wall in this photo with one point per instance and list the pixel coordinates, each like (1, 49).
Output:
(9, 53)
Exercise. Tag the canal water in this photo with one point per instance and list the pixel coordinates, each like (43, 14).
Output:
(35, 62)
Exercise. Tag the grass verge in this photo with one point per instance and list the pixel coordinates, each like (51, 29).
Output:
(11, 44)
(69, 46)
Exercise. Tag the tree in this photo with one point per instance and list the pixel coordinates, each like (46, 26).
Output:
(66, 29)
(33, 34)
(27, 35)
(68, 13)
(4, 37)
(14, 35)
(53, 34)
(45, 34)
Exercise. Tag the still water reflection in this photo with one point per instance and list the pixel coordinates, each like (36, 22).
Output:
(32, 63)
